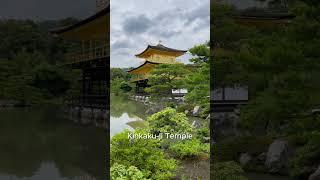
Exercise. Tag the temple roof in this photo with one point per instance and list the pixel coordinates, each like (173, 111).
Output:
(93, 27)
(143, 68)
(160, 49)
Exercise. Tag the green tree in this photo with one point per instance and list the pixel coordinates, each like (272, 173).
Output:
(198, 82)
(166, 77)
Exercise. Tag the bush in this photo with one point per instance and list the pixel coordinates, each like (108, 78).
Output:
(227, 171)
(203, 132)
(230, 149)
(306, 157)
(145, 154)
(121, 172)
(183, 107)
(189, 148)
(125, 86)
(169, 121)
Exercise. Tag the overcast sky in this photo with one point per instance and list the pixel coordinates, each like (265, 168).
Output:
(46, 9)
(179, 24)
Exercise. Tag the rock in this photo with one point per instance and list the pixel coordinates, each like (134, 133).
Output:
(196, 111)
(196, 124)
(208, 118)
(277, 156)
(315, 175)
(244, 159)
(262, 156)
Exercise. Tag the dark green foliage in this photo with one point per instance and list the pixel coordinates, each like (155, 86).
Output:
(28, 65)
(120, 81)
(50, 78)
(227, 171)
(118, 73)
(166, 77)
(125, 86)
(202, 132)
(307, 157)
(230, 149)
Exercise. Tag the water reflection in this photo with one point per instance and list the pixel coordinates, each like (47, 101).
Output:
(36, 144)
(125, 114)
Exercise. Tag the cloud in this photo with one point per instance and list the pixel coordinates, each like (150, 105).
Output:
(179, 24)
(137, 24)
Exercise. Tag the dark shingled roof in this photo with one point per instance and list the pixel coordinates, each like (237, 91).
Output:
(161, 47)
(85, 21)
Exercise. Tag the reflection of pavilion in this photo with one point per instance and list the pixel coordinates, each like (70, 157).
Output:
(153, 56)
(226, 99)
(91, 57)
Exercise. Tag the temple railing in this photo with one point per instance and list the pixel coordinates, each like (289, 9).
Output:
(98, 52)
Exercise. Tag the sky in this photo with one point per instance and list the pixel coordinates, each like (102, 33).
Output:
(178, 24)
(46, 9)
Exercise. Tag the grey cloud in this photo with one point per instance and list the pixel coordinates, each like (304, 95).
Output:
(164, 33)
(121, 44)
(200, 12)
(138, 24)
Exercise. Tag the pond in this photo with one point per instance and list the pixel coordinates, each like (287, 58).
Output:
(37, 144)
(126, 114)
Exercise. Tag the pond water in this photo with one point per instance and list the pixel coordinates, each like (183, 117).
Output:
(36, 144)
(126, 114)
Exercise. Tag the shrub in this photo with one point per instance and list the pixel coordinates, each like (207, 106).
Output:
(125, 86)
(230, 149)
(306, 157)
(203, 132)
(189, 148)
(145, 154)
(169, 121)
(227, 171)
(121, 172)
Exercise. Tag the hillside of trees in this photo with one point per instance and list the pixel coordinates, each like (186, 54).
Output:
(29, 59)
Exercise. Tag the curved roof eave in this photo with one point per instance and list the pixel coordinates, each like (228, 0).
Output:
(154, 47)
(81, 23)
(142, 65)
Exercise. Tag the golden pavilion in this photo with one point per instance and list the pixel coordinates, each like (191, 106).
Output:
(91, 56)
(153, 56)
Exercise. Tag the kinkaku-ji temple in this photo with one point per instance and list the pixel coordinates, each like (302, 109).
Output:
(92, 59)
(227, 99)
(153, 56)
